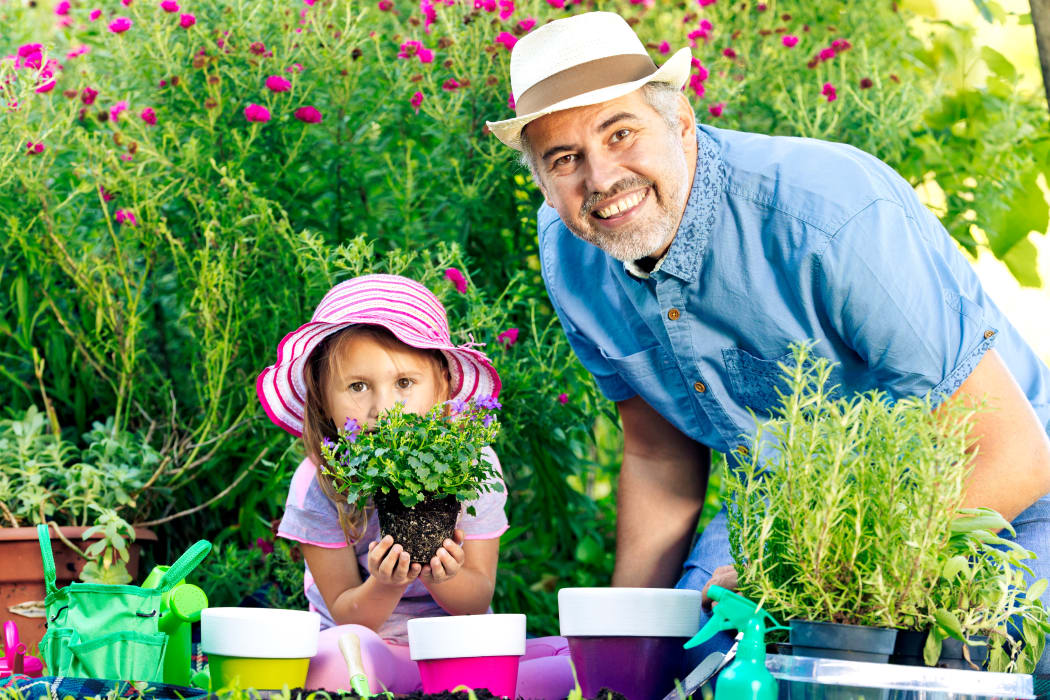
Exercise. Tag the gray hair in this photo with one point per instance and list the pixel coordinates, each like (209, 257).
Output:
(662, 97)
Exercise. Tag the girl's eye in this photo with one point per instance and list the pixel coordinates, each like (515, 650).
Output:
(621, 134)
(404, 383)
(358, 387)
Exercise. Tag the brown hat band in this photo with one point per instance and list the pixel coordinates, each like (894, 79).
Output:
(584, 77)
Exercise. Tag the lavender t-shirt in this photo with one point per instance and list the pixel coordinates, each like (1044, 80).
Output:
(310, 517)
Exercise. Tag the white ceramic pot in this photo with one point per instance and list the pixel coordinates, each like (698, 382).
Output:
(262, 648)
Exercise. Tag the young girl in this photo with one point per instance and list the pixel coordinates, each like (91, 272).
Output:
(374, 340)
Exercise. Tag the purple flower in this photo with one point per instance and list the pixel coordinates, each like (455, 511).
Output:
(327, 443)
(488, 420)
(563, 398)
(789, 40)
(187, 20)
(508, 337)
(256, 113)
(489, 402)
(149, 116)
(277, 83)
(169, 6)
(417, 99)
(125, 216)
(457, 405)
(352, 429)
(115, 110)
(265, 545)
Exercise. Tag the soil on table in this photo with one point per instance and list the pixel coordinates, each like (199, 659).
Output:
(420, 529)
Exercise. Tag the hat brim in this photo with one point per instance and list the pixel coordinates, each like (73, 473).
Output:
(674, 71)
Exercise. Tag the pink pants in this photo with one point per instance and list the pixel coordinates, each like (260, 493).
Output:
(544, 671)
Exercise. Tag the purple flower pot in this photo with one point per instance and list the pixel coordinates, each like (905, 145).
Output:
(628, 640)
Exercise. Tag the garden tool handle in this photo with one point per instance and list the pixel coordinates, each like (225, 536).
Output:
(10, 638)
(350, 646)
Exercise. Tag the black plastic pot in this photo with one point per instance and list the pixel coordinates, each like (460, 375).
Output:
(829, 640)
(907, 650)
(952, 656)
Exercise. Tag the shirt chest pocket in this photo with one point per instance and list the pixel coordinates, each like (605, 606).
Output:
(754, 380)
(641, 370)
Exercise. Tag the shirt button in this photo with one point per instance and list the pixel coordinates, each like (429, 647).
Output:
(743, 450)
(673, 314)
(988, 334)
(700, 386)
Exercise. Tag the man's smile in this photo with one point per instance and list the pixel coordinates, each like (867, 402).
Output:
(619, 208)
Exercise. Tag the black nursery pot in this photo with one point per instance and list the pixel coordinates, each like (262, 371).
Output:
(420, 529)
(952, 656)
(908, 651)
(830, 640)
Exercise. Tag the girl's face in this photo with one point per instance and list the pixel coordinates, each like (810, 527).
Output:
(369, 377)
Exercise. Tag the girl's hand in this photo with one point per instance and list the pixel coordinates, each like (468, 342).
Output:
(389, 563)
(446, 563)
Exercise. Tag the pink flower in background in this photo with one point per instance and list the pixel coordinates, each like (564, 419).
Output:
(31, 55)
(865, 83)
(386, 5)
(277, 83)
(456, 277)
(705, 3)
(34, 149)
(48, 86)
(309, 2)
(106, 196)
(429, 14)
(125, 216)
(187, 20)
(507, 39)
(487, 5)
(451, 85)
(557, 4)
(761, 7)
(169, 6)
(62, 8)
(506, 8)
(828, 91)
(508, 337)
(78, 51)
(95, 14)
(120, 25)
(826, 54)
(115, 110)
(716, 109)
(88, 95)
(417, 99)
(308, 114)
(728, 52)
(294, 68)
(563, 398)
(789, 40)
(527, 24)
(646, 3)
(125, 3)
(840, 45)
(701, 71)
(149, 116)
(697, 84)
(664, 47)
(510, 100)
(266, 545)
(416, 48)
(256, 113)
(127, 156)
(425, 55)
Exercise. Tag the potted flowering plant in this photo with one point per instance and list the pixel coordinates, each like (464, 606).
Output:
(416, 469)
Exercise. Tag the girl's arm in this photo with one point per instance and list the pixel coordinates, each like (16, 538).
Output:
(351, 600)
(462, 577)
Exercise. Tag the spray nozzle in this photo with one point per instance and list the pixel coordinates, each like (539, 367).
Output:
(733, 611)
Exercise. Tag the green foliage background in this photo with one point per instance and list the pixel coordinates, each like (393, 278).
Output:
(158, 330)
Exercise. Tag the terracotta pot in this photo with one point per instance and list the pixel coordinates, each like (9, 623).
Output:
(22, 574)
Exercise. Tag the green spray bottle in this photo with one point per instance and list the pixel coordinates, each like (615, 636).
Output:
(746, 678)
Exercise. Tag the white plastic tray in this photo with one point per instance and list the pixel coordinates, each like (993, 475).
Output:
(813, 679)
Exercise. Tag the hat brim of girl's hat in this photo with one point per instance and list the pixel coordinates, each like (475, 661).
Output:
(674, 71)
(282, 390)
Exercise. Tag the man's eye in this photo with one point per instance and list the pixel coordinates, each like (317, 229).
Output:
(358, 387)
(565, 159)
(404, 383)
(622, 134)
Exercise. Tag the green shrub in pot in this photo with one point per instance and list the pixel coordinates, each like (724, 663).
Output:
(842, 513)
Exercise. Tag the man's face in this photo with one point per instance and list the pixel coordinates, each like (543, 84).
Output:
(617, 174)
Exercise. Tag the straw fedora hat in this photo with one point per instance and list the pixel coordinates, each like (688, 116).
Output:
(577, 61)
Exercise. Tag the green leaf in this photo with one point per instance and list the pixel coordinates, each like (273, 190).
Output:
(949, 624)
(979, 519)
(998, 63)
(1026, 211)
(931, 650)
(589, 551)
(954, 566)
(1023, 262)
(1036, 590)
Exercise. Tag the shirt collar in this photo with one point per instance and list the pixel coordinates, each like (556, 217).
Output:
(687, 249)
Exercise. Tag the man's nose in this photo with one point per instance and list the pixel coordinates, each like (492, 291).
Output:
(601, 171)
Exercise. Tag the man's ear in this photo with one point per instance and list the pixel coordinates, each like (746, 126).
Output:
(686, 118)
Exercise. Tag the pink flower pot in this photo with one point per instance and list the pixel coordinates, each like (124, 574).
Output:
(476, 651)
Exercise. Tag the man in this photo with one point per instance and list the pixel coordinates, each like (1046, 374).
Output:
(683, 260)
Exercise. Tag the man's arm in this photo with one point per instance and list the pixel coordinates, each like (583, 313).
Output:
(663, 480)
(1012, 467)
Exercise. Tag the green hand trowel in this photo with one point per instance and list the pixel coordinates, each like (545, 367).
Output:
(350, 646)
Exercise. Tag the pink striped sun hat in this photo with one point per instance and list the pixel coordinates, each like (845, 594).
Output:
(405, 308)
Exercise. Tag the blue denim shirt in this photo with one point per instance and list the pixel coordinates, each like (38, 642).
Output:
(782, 240)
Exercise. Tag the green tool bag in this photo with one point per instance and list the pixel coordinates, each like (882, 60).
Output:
(108, 631)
